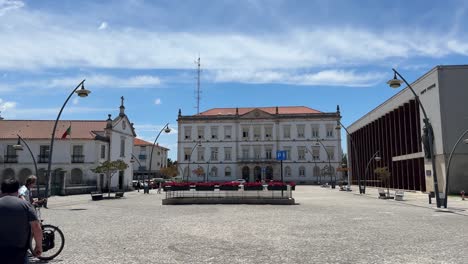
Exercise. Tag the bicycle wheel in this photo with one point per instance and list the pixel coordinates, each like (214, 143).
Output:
(53, 242)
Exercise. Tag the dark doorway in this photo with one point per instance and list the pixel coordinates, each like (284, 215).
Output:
(245, 173)
(269, 173)
(257, 173)
(121, 179)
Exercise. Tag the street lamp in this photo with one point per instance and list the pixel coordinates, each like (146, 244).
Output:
(395, 83)
(339, 125)
(81, 93)
(133, 160)
(448, 164)
(208, 167)
(329, 163)
(198, 144)
(19, 147)
(166, 130)
(375, 157)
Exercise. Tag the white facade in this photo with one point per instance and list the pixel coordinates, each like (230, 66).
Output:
(142, 157)
(233, 146)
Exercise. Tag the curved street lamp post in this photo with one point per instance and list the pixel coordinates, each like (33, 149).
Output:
(338, 126)
(166, 130)
(448, 164)
(395, 83)
(376, 158)
(18, 146)
(81, 93)
(133, 160)
(329, 163)
(208, 167)
(198, 144)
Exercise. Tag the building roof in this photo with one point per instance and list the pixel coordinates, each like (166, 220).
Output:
(42, 129)
(271, 110)
(141, 142)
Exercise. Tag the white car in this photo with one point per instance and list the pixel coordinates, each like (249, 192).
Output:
(241, 181)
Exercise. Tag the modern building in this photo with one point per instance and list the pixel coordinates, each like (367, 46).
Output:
(233, 143)
(395, 129)
(142, 158)
(89, 143)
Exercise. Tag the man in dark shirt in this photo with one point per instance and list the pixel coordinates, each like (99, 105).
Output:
(17, 220)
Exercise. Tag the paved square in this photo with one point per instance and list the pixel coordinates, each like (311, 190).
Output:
(327, 226)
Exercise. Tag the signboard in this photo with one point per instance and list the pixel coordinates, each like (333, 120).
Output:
(281, 155)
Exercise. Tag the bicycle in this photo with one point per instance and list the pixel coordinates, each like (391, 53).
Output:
(53, 239)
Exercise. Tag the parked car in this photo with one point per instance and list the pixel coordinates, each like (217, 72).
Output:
(241, 181)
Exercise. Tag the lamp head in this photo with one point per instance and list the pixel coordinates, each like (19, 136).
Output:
(395, 82)
(132, 160)
(465, 141)
(82, 92)
(18, 145)
(378, 158)
(167, 130)
(338, 126)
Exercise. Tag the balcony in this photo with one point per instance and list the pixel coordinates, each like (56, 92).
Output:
(43, 159)
(255, 159)
(77, 158)
(11, 158)
(142, 157)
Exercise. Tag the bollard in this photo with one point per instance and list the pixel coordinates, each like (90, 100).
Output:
(462, 195)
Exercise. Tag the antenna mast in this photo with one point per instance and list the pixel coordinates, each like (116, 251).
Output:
(198, 92)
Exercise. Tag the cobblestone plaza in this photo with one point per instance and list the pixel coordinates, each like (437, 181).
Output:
(326, 226)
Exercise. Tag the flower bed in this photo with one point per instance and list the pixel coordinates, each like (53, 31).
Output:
(253, 186)
(205, 186)
(176, 186)
(229, 186)
(280, 186)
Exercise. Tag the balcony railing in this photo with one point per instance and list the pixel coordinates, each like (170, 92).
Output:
(43, 159)
(142, 156)
(255, 159)
(11, 158)
(77, 158)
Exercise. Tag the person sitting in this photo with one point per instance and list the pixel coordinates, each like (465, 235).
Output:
(25, 192)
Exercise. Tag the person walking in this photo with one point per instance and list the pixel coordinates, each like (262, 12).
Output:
(18, 219)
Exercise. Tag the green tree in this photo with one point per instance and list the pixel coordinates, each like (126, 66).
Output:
(384, 176)
(110, 168)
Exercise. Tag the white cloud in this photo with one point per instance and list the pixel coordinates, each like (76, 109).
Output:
(326, 77)
(7, 107)
(6, 5)
(157, 101)
(51, 113)
(76, 45)
(75, 100)
(103, 26)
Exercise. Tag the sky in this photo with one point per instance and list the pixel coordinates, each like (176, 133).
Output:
(314, 53)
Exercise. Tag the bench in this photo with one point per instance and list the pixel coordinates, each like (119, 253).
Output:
(382, 194)
(96, 196)
(119, 194)
(399, 195)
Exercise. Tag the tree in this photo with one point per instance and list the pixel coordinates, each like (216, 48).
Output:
(384, 175)
(171, 169)
(199, 171)
(110, 168)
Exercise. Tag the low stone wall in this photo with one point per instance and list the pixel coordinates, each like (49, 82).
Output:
(227, 200)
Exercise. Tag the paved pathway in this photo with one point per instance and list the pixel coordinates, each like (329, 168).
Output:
(326, 226)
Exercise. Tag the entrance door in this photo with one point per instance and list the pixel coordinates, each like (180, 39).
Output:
(269, 173)
(257, 173)
(245, 173)
(121, 179)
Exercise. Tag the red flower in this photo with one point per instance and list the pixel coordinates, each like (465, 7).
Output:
(253, 184)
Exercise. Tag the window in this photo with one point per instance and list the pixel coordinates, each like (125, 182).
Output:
(187, 153)
(227, 172)
(316, 153)
(288, 153)
(11, 156)
(227, 153)
(257, 132)
(43, 154)
(214, 172)
(315, 131)
(103, 151)
(77, 156)
(214, 154)
(330, 129)
(201, 132)
(301, 153)
(300, 131)
(316, 171)
(227, 132)
(331, 152)
(245, 132)
(257, 151)
(301, 172)
(268, 151)
(214, 132)
(286, 131)
(287, 171)
(188, 132)
(245, 152)
(122, 146)
(268, 132)
(201, 154)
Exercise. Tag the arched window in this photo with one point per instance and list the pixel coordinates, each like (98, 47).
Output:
(227, 172)
(8, 173)
(287, 171)
(316, 171)
(214, 172)
(76, 176)
(42, 176)
(301, 172)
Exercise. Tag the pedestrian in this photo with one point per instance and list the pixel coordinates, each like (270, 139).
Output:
(146, 187)
(138, 186)
(25, 192)
(18, 220)
(159, 187)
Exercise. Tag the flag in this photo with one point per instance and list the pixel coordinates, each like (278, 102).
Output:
(67, 133)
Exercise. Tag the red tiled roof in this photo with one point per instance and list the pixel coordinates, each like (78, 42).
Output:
(42, 129)
(271, 110)
(141, 142)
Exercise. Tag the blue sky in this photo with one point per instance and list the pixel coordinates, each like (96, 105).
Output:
(253, 53)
